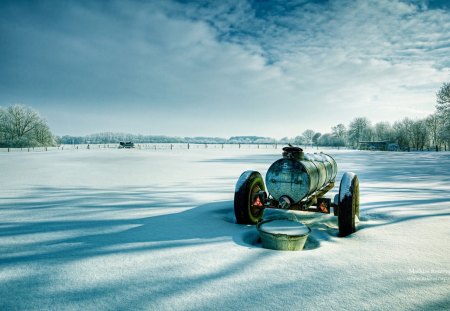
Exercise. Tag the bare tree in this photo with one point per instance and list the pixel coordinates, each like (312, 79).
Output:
(359, 130)
(383, 131)
(299, 140)
(326, 139)
(22, 126)
(402, 133)
(308, 135)
(433, 128)
(339, 136)
(339, 131)
(443, 111)
(444, 131)
(42, 134)
(315, 139)
(418, 134)
(443, 99)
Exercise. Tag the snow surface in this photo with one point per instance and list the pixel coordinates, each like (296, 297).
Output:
(345, 185)
(143, 229)
(284, 226)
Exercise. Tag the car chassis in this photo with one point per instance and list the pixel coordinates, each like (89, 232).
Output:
(285, 177)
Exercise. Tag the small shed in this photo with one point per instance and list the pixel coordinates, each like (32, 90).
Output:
(127, 144)
(382, 145)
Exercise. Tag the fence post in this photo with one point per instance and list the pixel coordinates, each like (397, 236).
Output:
(45, 148)
(188, 146)
(28, 149)
(8, 149)
(239, 146)
(222, 146)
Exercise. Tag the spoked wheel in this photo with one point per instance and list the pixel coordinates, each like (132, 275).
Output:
(348, 203)
(247, 208)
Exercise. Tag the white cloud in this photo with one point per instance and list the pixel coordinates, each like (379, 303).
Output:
(225, 68)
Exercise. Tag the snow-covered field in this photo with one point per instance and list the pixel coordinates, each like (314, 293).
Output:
(142, 229)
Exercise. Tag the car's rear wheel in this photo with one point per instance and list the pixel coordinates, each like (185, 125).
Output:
(248, 208)
(348, 204)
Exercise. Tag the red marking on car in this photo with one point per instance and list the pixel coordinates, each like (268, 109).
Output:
(323, 207)
(257, 202)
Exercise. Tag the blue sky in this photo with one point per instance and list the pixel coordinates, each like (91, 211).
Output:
(222, 68)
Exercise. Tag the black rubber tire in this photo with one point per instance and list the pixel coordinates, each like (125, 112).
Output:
(248, 183)
(348, 204)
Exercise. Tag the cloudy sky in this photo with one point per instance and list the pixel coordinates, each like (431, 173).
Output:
(222, 68)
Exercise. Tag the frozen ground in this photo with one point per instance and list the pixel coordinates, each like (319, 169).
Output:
(142, 229)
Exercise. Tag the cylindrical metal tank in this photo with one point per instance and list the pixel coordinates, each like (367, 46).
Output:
(301, 175)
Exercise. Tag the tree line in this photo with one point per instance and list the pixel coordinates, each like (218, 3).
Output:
(22, 126)
(431, 132)
(111, 137)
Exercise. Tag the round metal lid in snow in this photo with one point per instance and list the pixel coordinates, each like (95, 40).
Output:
(284, 226)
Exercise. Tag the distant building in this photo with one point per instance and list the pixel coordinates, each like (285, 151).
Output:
(127, 145)
(382, 145)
